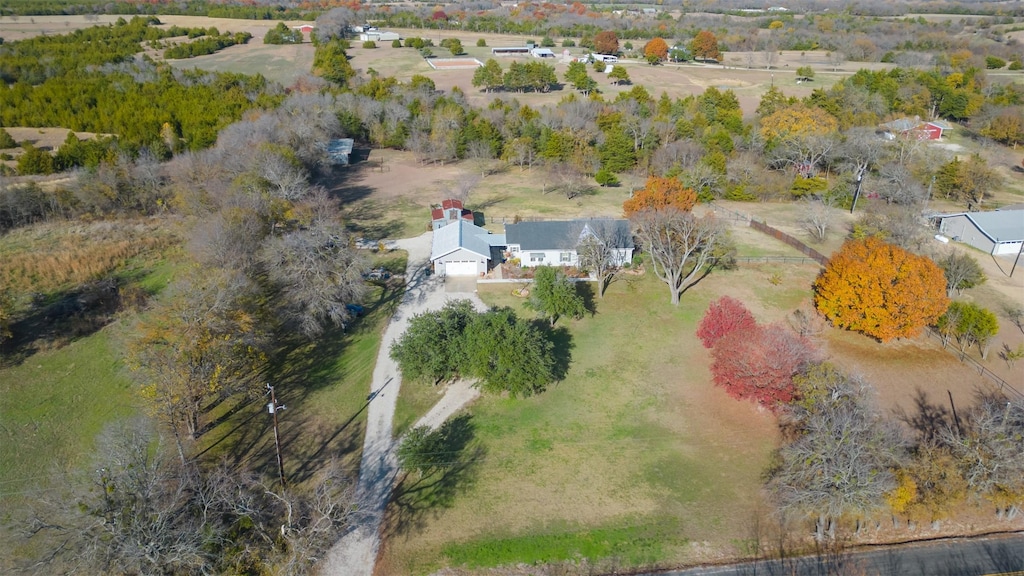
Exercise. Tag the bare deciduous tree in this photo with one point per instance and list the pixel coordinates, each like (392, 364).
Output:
(571, 181)
(598, 244)
(989, 451)
(318, 274)
(840, 461)
(681, 246)
(817, 217)
(898, 186)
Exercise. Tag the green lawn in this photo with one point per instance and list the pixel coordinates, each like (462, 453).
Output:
(53, 405)
(634, 438)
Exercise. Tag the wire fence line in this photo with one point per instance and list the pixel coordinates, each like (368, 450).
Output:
(789, 240)
(782, 259)
(1004, 386)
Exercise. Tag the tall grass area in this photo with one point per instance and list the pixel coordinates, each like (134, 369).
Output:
(635, 438)
(57, 256)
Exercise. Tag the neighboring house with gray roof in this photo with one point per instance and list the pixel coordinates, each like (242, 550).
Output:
(464, 249)
(996, 232)
(553, 243)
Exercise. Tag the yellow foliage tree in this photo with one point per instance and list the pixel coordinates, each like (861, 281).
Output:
(881, 290)
(658, 194)
(905, 492)
(797, 121)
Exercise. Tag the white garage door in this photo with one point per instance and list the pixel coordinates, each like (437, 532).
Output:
(460, 268)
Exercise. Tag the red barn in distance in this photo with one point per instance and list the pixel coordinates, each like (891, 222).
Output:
(915, 128)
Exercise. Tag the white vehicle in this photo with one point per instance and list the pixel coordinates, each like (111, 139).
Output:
(604, 58)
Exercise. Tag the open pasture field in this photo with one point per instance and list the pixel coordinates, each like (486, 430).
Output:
(676, 80)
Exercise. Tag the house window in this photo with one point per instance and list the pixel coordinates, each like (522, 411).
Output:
(536, 256)
(565, 257)
(515, 249)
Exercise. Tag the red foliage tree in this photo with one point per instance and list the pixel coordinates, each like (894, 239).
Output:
(759, 364)
(724, 316)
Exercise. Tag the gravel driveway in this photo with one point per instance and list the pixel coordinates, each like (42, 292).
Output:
(356, 552)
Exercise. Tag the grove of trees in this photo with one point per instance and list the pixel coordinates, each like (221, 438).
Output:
(505, 353)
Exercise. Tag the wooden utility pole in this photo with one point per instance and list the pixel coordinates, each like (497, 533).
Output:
(272, 407)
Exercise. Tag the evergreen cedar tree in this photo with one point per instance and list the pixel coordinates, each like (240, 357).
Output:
(724, 316)
(880, 290)
(657, 48)
(660, 193)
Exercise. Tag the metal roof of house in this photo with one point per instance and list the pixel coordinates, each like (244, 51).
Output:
(902, 124)
(460, 234)
(563, 234)
(998, 225)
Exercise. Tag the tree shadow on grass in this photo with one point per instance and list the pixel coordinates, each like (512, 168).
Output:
(368, 219)
(586, 291)
(454, 459)
(561, 347)
(926, 419)
(65, 317)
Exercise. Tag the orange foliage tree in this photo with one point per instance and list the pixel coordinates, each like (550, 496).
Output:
(705, 46)
(881, 290)
(657, 48)
(660, 193)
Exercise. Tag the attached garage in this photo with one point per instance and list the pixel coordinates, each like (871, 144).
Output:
(461, 268)
(461, 249)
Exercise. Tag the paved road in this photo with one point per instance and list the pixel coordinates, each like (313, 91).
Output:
(947, 557)
(356, 553)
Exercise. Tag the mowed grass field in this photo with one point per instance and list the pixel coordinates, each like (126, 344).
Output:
(635, 444)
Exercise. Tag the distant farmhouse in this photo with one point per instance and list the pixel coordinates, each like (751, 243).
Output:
(379, 36)
(996, 232)
(915, 128)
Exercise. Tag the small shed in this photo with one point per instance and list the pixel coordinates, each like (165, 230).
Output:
(339, 149)
(916, 128)
(542, 53)
(450, 210)
(510, 51)
(997, 232)
(379, 36)
(304, 28)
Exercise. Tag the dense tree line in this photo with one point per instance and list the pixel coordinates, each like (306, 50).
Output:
(89, 81)
(207, 45)
(36, 59)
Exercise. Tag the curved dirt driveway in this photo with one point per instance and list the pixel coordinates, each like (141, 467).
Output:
(356, 552)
